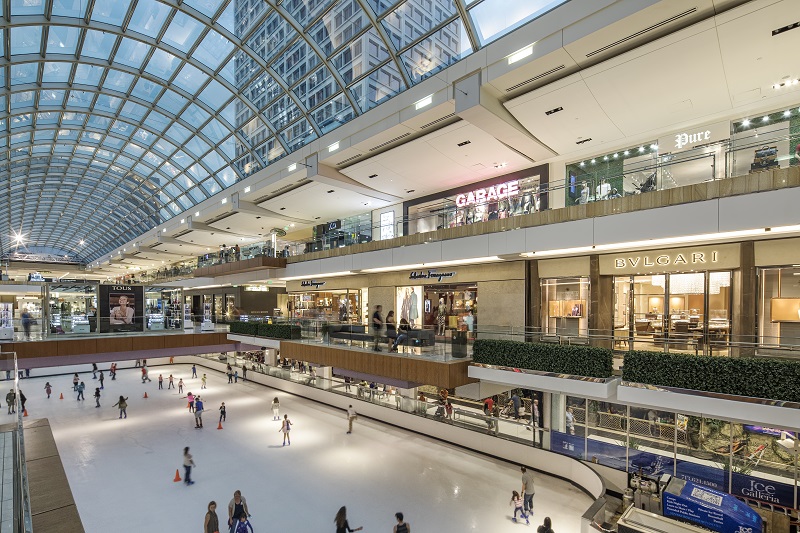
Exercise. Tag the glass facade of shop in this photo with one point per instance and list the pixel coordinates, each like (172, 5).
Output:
(163, 308)
(342, 305)
(685, 312)
(564, 306)
(445, 307)
(779, 306)
(71, 307)
(745, 460)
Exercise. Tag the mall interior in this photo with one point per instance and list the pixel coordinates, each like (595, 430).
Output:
(553, 234)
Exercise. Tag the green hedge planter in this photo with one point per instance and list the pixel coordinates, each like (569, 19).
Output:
(270, 331)
(757, 378)
(558, 358)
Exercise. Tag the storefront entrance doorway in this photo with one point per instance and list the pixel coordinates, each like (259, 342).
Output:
(684, 312)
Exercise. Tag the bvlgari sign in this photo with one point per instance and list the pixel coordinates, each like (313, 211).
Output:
(695, 258)
(489, 194)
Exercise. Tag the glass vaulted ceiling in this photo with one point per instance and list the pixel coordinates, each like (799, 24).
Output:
(117, 115)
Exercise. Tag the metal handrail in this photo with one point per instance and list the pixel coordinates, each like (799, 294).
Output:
(22, 503)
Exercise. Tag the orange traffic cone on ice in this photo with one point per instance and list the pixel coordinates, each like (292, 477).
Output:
(177, 476)
(25, 412)
(145, 395)
(62, 396)
(220, 425)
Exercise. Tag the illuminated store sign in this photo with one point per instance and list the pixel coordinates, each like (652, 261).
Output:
(431, 274)
(489, 194)
(691, 138)
(691, 258)
(312, 283)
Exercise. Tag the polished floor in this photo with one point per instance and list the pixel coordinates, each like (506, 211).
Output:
(121, 471)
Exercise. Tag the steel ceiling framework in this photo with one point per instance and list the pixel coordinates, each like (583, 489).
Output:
(117, 116)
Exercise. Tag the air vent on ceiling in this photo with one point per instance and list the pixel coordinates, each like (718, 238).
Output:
(464, 143)
(282, 190)
(583, 141)
(372, 176)
(437, 121)
(352, 158)
(390, 141)
(556, 110)
(537, 77)
(642, 32)
(785, 29)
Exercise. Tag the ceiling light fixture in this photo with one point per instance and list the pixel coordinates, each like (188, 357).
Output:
(593, 161)
(183, 220)
(424, 102)
(163, 230)
(654, 147)
(224, 200)
(556, 110)
(787, 113)
(582, 163)
(247, 189)
(765, 119)
(333, 147)
(292, 167)
(746, 122)
(521, 54)
(464, 143)
(786, 83)
(330, 275)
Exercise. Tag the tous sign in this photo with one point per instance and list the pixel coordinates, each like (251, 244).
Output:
(666, 259)
(493, 193)
(685, 139)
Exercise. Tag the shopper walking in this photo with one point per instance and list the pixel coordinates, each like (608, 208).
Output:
(97, 397)
(75, 381)
(570, 421)
(203, 380)
(351, 416)
(342, 526)
(211, 523)
(81, 388)
(180, 386)
(527, 490)
(102, 379)
(198, 413)
(237, 509)
(11, 401)
(276, 407)
(160, 382)
(377, 327)
(402, 526)
(194, 371)
(123, 406)
(286, 426)
(188, 463)
(222, 413)
(546, 527)
(171, 384)
(48, 389)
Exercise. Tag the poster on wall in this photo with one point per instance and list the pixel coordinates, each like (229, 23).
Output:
(121, 308)
(409, 301)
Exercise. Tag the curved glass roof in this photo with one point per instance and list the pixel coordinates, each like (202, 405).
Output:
(119, 115)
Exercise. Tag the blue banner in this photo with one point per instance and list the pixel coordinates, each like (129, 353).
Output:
(699, 474)
(710, 508)
(763, 489)
(566, 444)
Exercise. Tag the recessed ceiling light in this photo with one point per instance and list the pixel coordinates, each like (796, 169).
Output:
(163, 230)
(582, 163)
(746, 122)
(81, 242)
(291, 225)
(641, 149)
(333, 147)
(258, 218)
(183, 220)
(424, 102)
(765, 119)
(520, 54)
(605, 158)
(224, 200)
(292, 167)
(593, 161)
(464, 143)
(787, 113)
(282, 209)
(247, 189)
(654, 147)
(410, 191)
(556, 110)
(316, 218)
(626, 152)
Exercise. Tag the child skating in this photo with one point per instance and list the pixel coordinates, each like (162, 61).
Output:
(180, 386)
(48, 389)
(160, 382)
(276, 407)
(190, 399)
(171, 383)
(102, 379)
(222, 413)
(123, 407)
(97, 397)
(286, 425)
(203, 382)
(243, 524)
(518, 502)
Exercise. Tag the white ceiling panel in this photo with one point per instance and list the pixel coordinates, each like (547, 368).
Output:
(250, 224)
(314, 202)
(435, 162)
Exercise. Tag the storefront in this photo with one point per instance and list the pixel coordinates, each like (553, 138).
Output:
(333, 305)
(72, 306)
(226, 304)
(439, 306)
(164, 308)
(564, 295)
(518, 193)
(778, 267)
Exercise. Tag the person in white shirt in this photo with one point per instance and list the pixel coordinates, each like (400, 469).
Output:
(351, 415)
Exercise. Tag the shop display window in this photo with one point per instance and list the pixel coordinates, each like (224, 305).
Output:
(779, 306)
(447, 307)
(332, 306)
(68, 301)
(766, 141)
(629, 171)
(564, 306)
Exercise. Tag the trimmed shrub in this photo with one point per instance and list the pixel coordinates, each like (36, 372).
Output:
(772, 379)
(270, 331)
(558, 358)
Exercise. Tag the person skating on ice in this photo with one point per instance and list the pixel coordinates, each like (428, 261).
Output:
(48, 389)
(286, 426)
(342, 526)
(198, 413)
(402, 526)
(527, 490)
(276, 407)
(102, 379)
(94, 370)
(81, 388)
(75, 380)
(222, 413)
(194, 371)
(171, 384)
(97, 397)
(190, 400)
(203, 381)
(188, 463)
(351, 417)
(237, 509)
(180, 386)
(160, 382)
(243, 525)
(11, 401)
(517, 503)
(546, 527)
(123, 406)
(211, 522)
(22, 400)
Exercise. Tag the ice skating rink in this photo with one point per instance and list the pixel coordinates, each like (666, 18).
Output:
(121, 471)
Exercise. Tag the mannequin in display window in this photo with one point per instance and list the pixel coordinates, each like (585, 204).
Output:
(584, 198)
(413, 313)
(343, 310)
(441, 317)
(405, 305)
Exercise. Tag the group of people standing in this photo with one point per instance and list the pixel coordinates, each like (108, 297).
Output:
(238, 515)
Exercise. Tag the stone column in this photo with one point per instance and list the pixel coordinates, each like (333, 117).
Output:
(601, 304)
(745, 299)
(533, 299)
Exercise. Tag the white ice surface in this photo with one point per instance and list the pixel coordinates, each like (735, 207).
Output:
(121, 471)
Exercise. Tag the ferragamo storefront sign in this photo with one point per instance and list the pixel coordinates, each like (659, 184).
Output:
(312, 283)
(697, 258)
(430, 274)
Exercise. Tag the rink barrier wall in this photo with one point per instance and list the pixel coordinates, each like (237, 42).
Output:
(546, 462)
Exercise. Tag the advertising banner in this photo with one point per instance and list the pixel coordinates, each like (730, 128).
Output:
(565, 444)
(121, 308)
(762, 489)
(709, 508)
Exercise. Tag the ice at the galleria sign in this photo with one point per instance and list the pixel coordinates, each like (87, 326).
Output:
(489, 194)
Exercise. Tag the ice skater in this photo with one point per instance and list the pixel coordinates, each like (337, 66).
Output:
(123, 406)
(188, 463)
(190, 399)
(113, 371)
(516, 501)
(341, 522)
(81, 388)
(546, 527)
(211, 523)
(527, 490)
(180, 386)
(402, 526)
(230, 374)
(243, 524)
(97, 397)
(237, 509)
(194, 371)
(22, 400)
(276, 407)
(94, 370)
(351, 416)
(160, 382)
(203, 382)
(11, 401)
(171, 384)
(145, 374)
(244, 372)
(222, 413)
(102, 378)
(198, 413)
(286, 425)
(48, 389)
(75, 380)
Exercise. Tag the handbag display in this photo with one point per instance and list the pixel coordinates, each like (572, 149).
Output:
(765, 157)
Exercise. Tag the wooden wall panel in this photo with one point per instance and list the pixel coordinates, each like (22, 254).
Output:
(118, 344)
(148, 342)
(36, 349)
(77, 347)
(178, 341)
